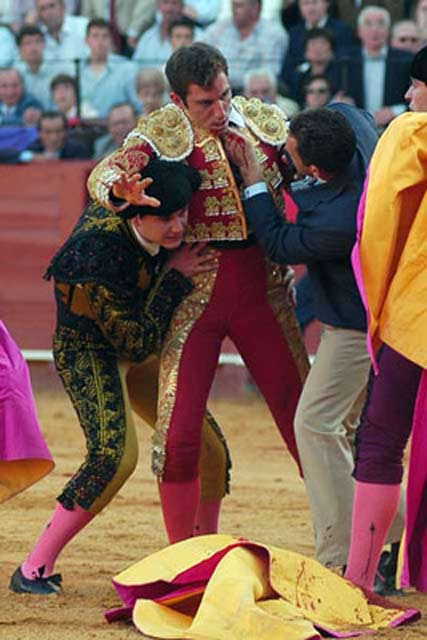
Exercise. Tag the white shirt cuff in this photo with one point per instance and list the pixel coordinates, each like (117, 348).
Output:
(254, 190)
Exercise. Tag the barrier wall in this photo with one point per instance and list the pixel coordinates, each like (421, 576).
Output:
(39, 205)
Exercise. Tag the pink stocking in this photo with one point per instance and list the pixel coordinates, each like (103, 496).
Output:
(179, 504)
(63, 526)
(374, 508)
(207, 519)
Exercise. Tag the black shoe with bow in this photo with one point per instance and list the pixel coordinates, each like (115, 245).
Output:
(39, 586)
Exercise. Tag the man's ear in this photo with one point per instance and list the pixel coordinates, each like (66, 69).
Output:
(176, 99)
(314, 171)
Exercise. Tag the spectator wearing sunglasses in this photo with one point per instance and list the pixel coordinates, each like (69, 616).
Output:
(406, 35)
(317, 92)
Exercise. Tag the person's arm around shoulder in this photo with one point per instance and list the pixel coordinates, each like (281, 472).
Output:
(137, 331)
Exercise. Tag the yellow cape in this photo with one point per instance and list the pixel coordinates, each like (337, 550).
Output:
(393, 246)
(229, 589)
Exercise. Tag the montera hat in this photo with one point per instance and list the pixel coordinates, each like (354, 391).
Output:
(173, 185)
(419, 65)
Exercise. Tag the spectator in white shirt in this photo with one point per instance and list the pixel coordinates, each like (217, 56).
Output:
(65, 34)
(154, 47)
(8, 48)
(36, 72)
(248, 41)
(105, 77)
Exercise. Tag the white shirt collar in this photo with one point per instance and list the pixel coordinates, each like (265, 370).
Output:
(151, 247)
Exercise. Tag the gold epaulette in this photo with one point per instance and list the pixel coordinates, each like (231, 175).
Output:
(167, 130)
(266, 121)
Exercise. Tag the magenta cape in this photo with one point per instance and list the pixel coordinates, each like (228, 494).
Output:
(415, 561)
(24, 455)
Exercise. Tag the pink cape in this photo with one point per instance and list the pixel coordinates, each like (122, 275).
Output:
(24, 455)
(415, 560)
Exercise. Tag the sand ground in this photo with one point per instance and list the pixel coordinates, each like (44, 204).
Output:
(267, 504)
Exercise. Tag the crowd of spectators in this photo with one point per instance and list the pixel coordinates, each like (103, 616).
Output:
(99, 64)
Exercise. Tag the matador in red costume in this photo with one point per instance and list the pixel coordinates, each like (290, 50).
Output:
(245, 298)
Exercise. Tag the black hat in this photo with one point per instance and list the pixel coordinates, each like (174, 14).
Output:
(419, 65)
(173, 184)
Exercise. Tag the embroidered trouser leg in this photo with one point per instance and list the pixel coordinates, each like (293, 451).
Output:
(96, 385)
(239, 307)
(142, 382)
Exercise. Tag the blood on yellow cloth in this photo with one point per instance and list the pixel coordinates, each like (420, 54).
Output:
(221, 588)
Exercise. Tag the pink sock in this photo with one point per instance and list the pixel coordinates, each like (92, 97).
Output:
(374, 508)
(62, 527)
(179, 504)
(207, 518)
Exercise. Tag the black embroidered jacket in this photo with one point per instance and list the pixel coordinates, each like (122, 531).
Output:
(110, 292)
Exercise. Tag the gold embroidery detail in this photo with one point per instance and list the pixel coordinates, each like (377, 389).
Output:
(130, 159)
(210, 147)
(220, 178)
(267, 121)
(285, 313)
(169, 132)
(212, 206)
(185, 316)
(260, 155)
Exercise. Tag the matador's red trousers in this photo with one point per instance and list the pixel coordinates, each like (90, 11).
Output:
(240, 307)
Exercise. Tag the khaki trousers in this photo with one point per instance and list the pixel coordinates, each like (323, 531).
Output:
(326, 420)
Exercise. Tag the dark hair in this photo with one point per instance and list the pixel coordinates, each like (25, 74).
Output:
(29, 30)
(324, 138)
(52, 115)
(199, 63)
(183, 21)
(173, 184)
(419, 66)
(317, 76)
(63, 78)
(118, 105)
(317, 32)
(98, 23)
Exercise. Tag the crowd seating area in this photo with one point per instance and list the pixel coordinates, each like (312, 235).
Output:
(75, 77)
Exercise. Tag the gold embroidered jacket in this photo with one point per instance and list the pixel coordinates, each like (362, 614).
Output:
(110, 292)
(216, 210)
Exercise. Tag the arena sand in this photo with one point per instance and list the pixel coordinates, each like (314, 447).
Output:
(267, 504)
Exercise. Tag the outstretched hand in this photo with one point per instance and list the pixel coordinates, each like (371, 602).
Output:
(132, 190)
(241, 152)
(191, 259)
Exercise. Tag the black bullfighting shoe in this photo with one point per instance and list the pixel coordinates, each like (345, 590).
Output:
(385, 579)
(39, 587)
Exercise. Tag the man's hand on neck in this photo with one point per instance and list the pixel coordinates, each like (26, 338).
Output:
(241, 152)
